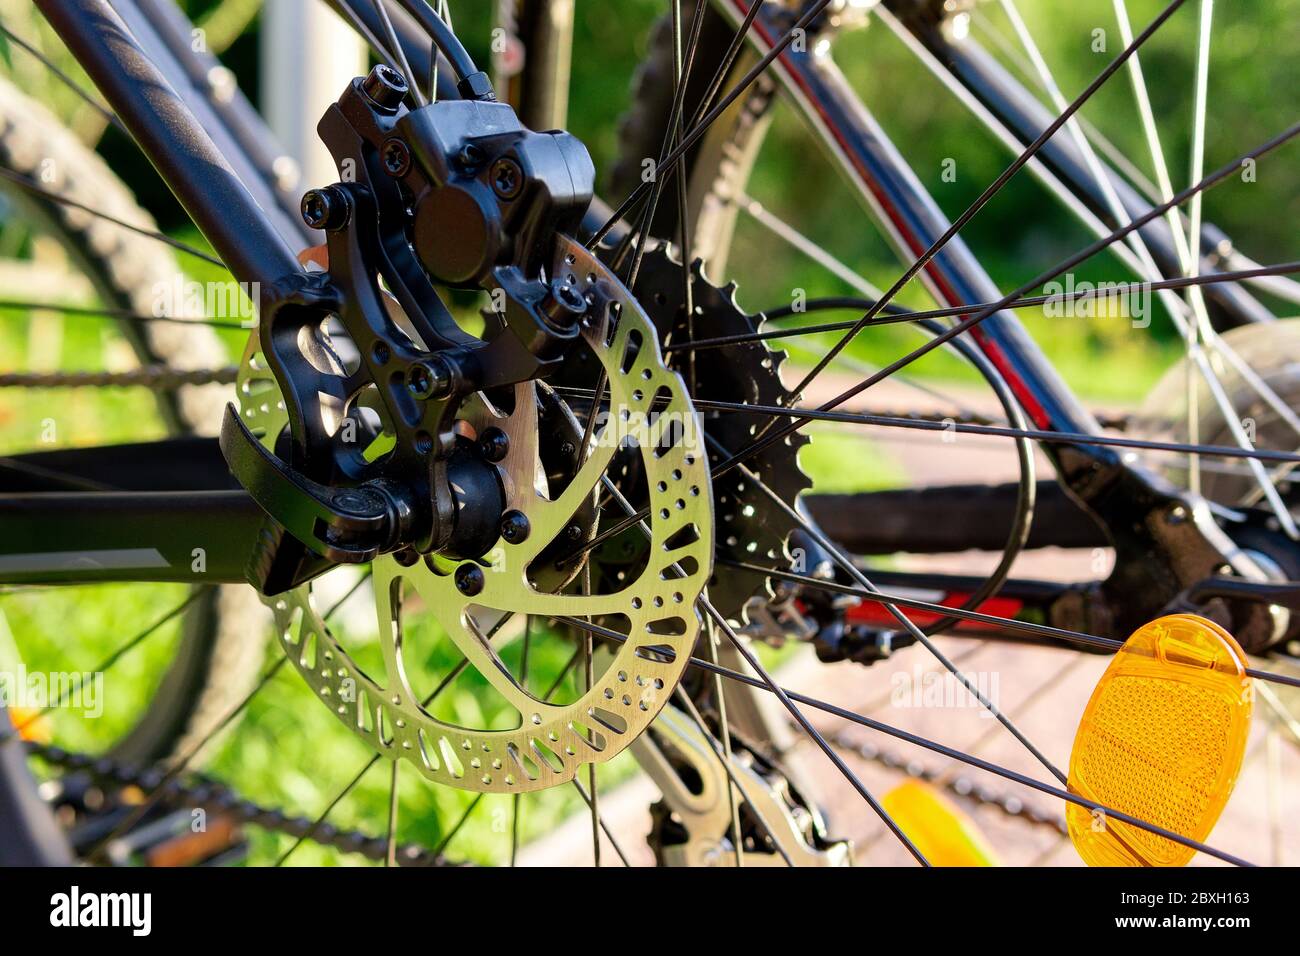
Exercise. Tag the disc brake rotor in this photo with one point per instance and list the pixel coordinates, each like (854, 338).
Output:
(656, 608)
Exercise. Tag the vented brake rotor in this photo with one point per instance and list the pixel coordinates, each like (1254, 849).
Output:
(656, 609)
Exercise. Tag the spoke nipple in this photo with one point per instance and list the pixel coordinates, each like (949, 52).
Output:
(515, 527)
(494, 444)
(469, 579)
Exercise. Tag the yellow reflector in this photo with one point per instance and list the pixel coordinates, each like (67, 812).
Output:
(1162, 740)
(944, 835)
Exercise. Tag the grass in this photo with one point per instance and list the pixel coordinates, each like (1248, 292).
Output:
(288, 750)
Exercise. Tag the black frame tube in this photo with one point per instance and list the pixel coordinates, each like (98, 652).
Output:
(167, 132)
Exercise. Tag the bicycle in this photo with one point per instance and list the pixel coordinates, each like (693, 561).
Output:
(611, 452)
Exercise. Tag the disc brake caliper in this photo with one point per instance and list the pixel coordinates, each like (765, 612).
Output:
(458, 193)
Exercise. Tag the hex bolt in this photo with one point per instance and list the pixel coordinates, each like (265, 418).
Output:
(469, 579)
(515, 527)
(385, 87)
(326, 208)
(494, 443)
(396, 157)
(507, 178)
(471, 157)
(562, 305)
(428, 379)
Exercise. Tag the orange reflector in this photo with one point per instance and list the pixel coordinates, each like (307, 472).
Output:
(944, 835)
(1162, 740)
(30, 724)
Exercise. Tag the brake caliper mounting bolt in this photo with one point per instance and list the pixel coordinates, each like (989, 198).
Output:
(494, 443)
(515, 527)
(385, 87)
(562, 305)
(326, 208)
(428, 379)
(507, 178)
(396, 156)
(469, 579)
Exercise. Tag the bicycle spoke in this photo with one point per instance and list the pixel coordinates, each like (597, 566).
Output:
(395, 45)
(107, 663)
(1004, 623)
(1195, 337)
(33, 186)
(969, 323)
(993, 189)
(82, 93)
(896, 314)
(934, 746)
(681, 76)
(515, 798)
(121, 315)
(390, 853)
(797, 240)
(908, 624)
(924, 424)
(711, 642)
(600, 824)
(797, 714)
(152, 798)
(699, 128)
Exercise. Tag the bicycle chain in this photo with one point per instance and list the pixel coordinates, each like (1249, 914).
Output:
(216, 796)
(152, 376)
(164, 377)
(962, 786)
(210, 794)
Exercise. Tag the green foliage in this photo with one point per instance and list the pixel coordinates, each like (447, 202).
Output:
(289, 750)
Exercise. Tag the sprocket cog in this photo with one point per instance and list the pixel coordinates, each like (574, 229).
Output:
(748, 527)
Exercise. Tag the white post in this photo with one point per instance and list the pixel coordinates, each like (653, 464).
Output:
(308, 56)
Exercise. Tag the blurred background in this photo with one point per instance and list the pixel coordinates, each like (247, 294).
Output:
(288, 751)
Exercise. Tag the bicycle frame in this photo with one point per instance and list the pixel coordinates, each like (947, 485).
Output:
(213, 156)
